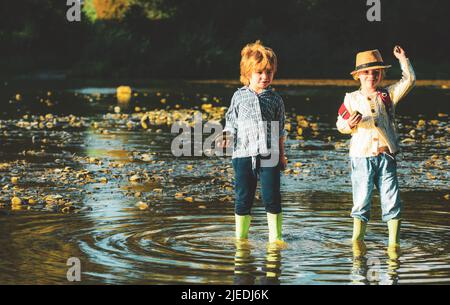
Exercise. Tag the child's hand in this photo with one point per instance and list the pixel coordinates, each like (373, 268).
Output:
(223, 141)
(354, 120)
(283, 163)
(399, 52)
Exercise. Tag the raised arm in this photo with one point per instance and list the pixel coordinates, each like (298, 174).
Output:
(398, 90)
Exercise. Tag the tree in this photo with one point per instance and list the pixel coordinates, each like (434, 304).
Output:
(111, 9)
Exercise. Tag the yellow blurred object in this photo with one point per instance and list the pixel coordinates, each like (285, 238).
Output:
(298, 164)
(179, 195)
(144, 121)
(142, 205)
(207, 107)
(16, 207)
(123, 94)
(434, 122)
(288, 126)
(16, 201)
(14, 180)
(431, 176)
(303, 123)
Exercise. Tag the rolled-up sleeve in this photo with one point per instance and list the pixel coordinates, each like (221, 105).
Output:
(341, 123)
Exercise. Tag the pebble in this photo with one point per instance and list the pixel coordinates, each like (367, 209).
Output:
(142, 205)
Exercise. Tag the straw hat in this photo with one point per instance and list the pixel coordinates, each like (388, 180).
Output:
(368, 60)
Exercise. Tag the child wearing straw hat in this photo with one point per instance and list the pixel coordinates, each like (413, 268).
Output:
(256, 119)
(368, 114)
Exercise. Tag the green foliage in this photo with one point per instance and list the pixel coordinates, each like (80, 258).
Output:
(89, 10)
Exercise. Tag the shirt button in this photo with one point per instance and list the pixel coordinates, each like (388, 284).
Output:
(375, 139)
(376, 124)
(369, 98)
(373, 110)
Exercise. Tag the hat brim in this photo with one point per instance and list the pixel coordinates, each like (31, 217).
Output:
(353, 73)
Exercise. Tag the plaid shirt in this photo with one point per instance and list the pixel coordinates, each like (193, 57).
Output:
(249, 120)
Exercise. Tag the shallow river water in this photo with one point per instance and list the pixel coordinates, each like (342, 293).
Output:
(173, 222)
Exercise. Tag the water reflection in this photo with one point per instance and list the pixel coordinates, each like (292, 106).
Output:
(393, 263)
(247, 269)
(244, 264)
(273, 264)
(368, 268)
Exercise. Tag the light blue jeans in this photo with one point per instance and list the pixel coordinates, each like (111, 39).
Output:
(380, 171)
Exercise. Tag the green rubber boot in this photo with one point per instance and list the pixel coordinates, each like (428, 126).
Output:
(274, 221)
(394, 233)
(359, 230)
(242, 226)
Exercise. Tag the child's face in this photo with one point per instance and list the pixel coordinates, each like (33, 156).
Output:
(370, 78)
(260, 80)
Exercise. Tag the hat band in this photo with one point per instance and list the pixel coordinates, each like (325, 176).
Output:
(370, 64)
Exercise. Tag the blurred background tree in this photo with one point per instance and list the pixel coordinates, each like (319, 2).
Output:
(203, 38)
(111, 9)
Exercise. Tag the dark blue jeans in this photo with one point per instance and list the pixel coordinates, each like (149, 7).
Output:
(246, 181)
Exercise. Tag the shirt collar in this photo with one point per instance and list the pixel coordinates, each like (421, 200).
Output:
(265, 91)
